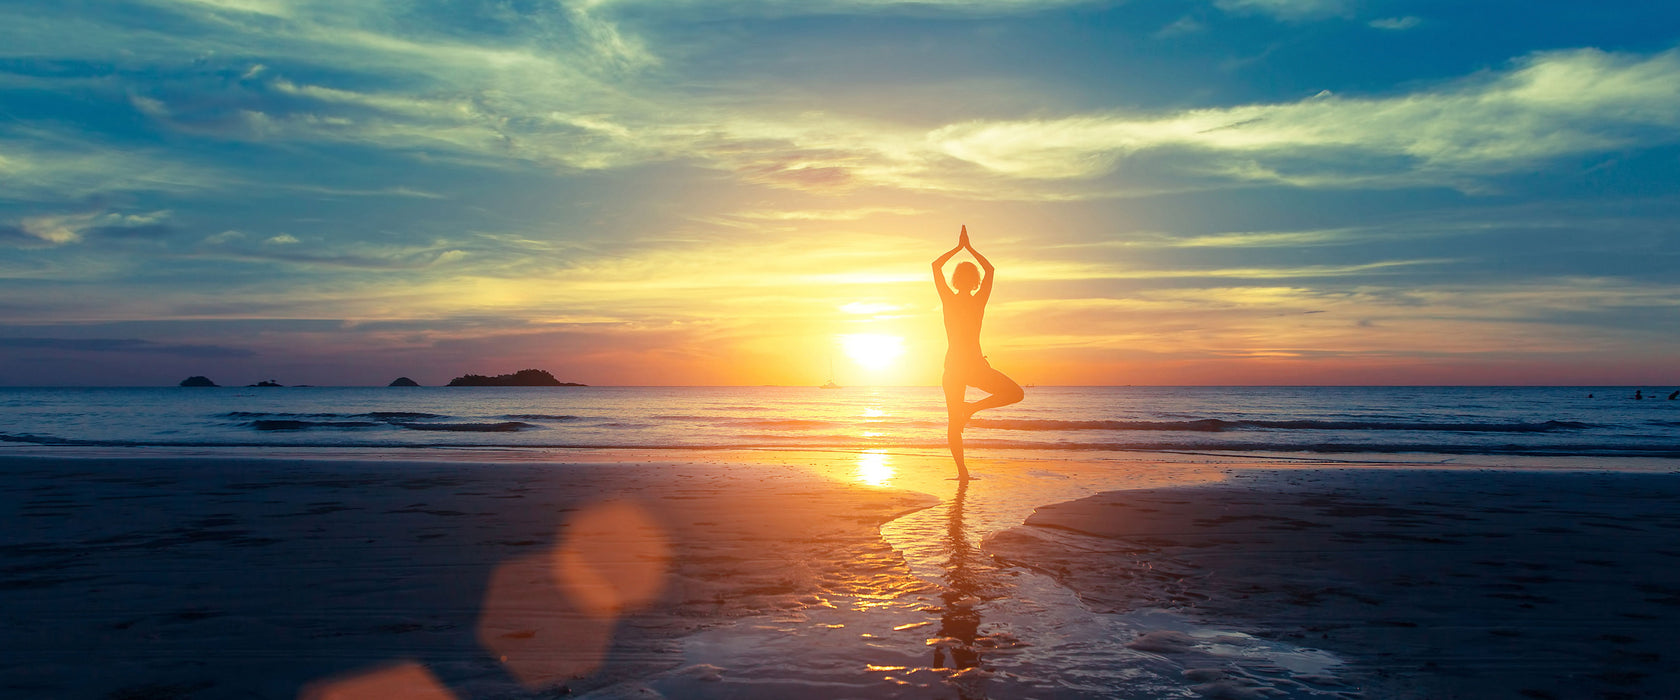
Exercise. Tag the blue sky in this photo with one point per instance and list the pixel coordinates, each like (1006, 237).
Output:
(687, 192)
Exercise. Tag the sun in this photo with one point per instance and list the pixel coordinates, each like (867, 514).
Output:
(873, 350)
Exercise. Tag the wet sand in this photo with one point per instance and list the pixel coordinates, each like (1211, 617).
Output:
(215, 578)
(825, 574)
(1432, 584)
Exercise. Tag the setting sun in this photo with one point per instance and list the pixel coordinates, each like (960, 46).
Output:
(873, 350)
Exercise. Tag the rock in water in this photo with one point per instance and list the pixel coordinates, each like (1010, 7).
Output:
(197, 380)
(403, 381)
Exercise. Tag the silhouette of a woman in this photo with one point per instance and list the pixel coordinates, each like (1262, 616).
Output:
(965, 366)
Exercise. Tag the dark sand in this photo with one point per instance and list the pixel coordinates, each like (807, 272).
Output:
(1434, 584)
(222, 578)
(215, 577)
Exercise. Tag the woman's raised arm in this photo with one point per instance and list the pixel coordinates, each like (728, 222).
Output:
(985, 280)
(939, 270)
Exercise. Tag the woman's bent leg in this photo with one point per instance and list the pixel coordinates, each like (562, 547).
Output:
(1003, 390)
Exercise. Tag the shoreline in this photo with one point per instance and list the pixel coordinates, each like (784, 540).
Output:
(217, 571)
(1431, 583)
(617, 454)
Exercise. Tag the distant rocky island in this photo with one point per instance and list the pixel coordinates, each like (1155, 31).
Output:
(524, 377)
(403, 381)
(200, 380)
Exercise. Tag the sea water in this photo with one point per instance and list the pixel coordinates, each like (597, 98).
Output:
(1029, 636)
(1596, 421)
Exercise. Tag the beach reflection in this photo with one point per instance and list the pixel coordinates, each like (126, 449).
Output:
(959, 623)
(874, 467)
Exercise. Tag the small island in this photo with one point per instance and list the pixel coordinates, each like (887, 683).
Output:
(198, 380)
(524, 377)
(403, 381)
(266, 383)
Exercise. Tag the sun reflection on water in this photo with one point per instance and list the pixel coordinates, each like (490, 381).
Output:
(875, 468)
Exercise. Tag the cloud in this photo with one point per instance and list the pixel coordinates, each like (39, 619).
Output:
(1184, 25)
(783, 8)
(368, 192)
(1549, 105)
(54, 165)
(1396, 23)
(1241, 239)
(1546, 106)
(568, 88)
(1286, 9)
(123, 346)
(62, 229)
(345, 253)
(852, 214)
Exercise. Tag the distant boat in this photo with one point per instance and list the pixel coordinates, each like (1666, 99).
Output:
(830, 383)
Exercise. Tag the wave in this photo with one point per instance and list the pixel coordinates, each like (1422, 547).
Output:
(272, 424)
(375, 415)
(539, 416)
(287, 424)
(796, 423)
(1215, 425)
(504, 427)
(785, 441)
(266, 414)
(33, 439)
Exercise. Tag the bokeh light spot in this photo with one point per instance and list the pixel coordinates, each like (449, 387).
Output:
(550, 616)
(407, 680)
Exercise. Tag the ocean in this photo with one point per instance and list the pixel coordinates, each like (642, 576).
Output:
(1589, 421)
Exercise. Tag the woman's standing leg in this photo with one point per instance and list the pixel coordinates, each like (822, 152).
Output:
(956, 416)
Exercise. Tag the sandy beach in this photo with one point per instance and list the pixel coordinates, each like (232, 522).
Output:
(1434, 584)
(147, 578)
(829, 574)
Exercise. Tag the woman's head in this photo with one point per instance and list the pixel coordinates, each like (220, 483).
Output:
(966, 277)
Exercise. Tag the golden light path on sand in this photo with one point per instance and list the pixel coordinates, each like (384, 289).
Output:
(927, 614)
(874, 467)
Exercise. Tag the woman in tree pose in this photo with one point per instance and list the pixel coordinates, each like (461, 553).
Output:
(965, 366)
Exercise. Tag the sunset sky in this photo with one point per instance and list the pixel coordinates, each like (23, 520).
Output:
(692, 192)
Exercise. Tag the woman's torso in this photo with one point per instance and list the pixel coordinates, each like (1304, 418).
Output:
(963, 314)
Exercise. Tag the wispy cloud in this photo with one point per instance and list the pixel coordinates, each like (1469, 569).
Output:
(1549, 105)
(579, 92)
(62, 229)
(1396, 23)
(123, 346)
(1182, 26)
(1286, 9)
(853, 214)
(723, 181)
(50, 165)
